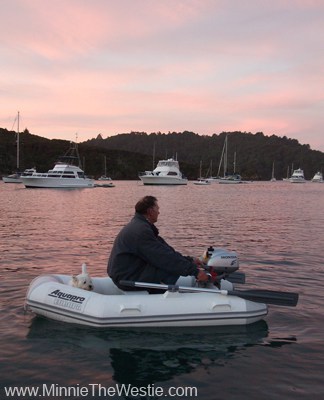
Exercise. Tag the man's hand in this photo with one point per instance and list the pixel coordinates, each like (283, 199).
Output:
(202, 276)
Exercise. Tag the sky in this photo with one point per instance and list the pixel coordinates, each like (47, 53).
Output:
(104, 66)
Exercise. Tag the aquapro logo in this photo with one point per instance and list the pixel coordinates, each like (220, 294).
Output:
(67, 296)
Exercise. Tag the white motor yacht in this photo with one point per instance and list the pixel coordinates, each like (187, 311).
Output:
(167, 172)
(297, 176)
(318, 177)
(63, 175)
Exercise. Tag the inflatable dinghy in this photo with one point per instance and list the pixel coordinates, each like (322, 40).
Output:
(180, 305)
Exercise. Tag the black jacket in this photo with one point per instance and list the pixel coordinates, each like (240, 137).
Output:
(140, 254)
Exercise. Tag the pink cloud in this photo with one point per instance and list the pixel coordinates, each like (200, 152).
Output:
(107, 66)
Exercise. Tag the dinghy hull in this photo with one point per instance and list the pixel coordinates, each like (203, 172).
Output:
(51, 296)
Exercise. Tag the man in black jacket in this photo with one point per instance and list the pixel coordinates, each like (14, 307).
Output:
(140, 254)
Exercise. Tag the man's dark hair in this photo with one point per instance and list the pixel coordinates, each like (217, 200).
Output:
(145, 203)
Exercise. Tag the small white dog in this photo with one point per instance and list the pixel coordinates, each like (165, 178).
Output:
(82, 281)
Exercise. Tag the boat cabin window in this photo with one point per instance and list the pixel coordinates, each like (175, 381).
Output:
(68, 176)
(168, 164)
(172, 173)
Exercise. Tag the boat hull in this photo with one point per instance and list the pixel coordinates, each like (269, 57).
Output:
(7, 179)
(229, 182)
(56, 183)
(107, 306)
(163, 180)
(202, 183)
(292, 180)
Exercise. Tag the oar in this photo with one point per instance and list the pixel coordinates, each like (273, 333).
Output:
(259, 296)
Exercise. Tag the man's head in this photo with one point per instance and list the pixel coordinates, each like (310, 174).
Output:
(148, 206)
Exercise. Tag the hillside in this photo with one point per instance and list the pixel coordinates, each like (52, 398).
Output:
(132, 152)
(42, 153)
(255, 153)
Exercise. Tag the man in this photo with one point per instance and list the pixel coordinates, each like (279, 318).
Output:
(140, 254)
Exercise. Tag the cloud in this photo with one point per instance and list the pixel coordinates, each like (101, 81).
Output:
(207, 66)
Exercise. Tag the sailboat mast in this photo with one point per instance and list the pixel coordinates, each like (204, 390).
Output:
(221, 160)
(18, 142)
(225, 157)
(153, 156)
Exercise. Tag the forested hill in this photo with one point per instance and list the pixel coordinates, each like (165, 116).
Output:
(255, 153)
(127, 154)
(42, 153)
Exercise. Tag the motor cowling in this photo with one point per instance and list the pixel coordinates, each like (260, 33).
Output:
(221, 260)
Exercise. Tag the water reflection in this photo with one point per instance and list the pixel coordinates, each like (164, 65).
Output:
(277, 232)
(144, 356)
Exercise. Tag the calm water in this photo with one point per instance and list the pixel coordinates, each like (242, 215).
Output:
(277, 230)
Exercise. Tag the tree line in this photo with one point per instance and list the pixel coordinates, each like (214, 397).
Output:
(254, 154)
(128, 153)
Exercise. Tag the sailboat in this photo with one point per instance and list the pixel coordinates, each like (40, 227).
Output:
(273, 179)
(287, 178)
(105, 177)
(229, 178)
(217, 178)
(200, 180)
(16, 177)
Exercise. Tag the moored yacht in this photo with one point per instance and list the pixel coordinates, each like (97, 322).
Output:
(104, 177)
(63, 175)
(13, 178)
(273, 179)
(318, 177)
(235, 178)
(202, 182)
(16, 177)
(167, 172)
(297, 176)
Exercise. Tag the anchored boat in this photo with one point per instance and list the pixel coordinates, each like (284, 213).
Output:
(64, 174)
(297, 176)
(318, 177)
(183, 304)
(167, 172)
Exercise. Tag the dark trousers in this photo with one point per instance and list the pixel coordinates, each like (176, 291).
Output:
(152, 275)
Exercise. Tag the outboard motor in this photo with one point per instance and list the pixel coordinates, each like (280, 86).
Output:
(221, 261)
